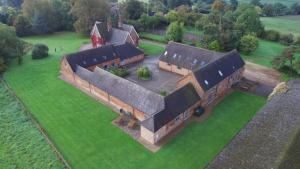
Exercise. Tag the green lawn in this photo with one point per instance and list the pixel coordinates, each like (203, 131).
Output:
(82, 130)
(265, 53)
(21, 143)
(151, 49)
(153, 37)
(285, 2)
(192, 30)
(283, 24)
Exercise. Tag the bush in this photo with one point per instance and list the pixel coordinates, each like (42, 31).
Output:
(2, 65)
(121, 72)
(272, 35)
(144, 73)
(214, 45)
(298, 40)
(248, 44)
(40, 51)
(287, 39)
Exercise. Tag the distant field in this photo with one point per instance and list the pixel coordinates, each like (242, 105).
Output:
(286, 2)
(151, 49)
(284, 24)
(265, 53)
(82, 130)
(21, 143)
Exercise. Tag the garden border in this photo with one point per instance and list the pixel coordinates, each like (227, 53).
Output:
(37, 125)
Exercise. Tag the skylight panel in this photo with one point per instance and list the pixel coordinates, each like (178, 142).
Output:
(206, 82)
(166, 52)
(220, 73)
(202, 63)
(175, 55)
(95, 59)
(104, 57)
(84, 62)
(195, 61)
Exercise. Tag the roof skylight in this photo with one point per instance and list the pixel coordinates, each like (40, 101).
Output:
(206, 82)
(166, 52)
(220, 73)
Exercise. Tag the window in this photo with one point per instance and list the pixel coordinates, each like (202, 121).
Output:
(113, 64)
(177, 118)
(178, 67)
(169, 64)
(105, 66)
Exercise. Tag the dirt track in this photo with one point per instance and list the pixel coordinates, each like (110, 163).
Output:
(257, 73)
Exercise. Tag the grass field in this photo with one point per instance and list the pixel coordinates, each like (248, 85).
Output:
(286, 2)
(151, 49)
(21, 144)
(265, 53)
(192, 30)
(154, 37)
(283, 24)
(82, 130)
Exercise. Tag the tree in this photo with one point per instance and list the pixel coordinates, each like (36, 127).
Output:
(249, 22)
(40, 14)
(3, 66)
(286, 57)
(87, 12)
(272, 35)
(23, 26)
(234, 4)
(218, 5)
(295, 9)
(280, 9)
(133, 9)
(63, 19)
(256, 2)
(10, 45)
(268, 10)
(248, 44)
(40, 51)
(7, 15)
(298, 40)
(175, 32)
(287, 39)
(175, 3)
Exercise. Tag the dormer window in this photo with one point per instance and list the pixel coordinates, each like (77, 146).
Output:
(220, 73)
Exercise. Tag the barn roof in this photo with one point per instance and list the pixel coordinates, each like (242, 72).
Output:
(102, 54)
(127, 50)
(264, 139)
(188, 57)
(213, 73)
(144, 100)
(175, 104)
(117, 36)
(91, 57)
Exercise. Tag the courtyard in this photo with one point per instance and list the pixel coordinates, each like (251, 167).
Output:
(161, 80)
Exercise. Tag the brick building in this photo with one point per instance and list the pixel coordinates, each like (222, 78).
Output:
(206, 76)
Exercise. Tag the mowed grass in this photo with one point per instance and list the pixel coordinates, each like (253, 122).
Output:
(151, 48)
(82, 130)
(285, 2)
(265, 53)
(192, 30)
(21, 143)
(283, 24)
(153, 37)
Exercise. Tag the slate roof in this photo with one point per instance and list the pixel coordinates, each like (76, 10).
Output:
(127, 27)
(117, 36)
(263, 141)
(213, 73)
(127, 50)
(188, 57)
(175, 104)
(91, 57)
(102, 54)
(144, 100)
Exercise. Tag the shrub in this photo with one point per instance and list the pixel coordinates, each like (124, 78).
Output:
(39, 51)
(144, 73)
(2, 65)
(248, 44)
(298, 40)
(175, 32)
(272, 35)
(287, 39)
(121, 72)
(214, 45)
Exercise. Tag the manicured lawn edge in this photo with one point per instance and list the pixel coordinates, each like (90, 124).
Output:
(37, 125)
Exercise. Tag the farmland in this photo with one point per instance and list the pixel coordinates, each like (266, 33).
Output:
(283, 24)
(81, 127)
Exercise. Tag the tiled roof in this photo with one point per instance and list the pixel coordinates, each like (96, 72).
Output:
(118, 36)
(188, 57)
(127, 50)
(213, 73)
(175, 104)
